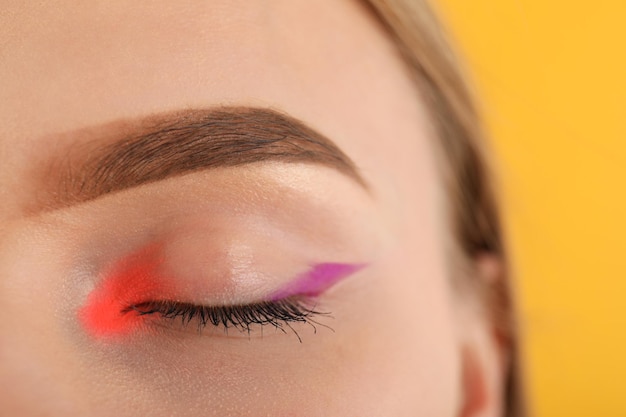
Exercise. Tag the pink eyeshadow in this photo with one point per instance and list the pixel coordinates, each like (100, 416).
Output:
(316, 280)
(134, 279)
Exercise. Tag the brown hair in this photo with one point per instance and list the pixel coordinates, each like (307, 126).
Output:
(474, 212)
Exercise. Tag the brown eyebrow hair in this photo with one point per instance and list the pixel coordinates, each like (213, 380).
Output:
(183, 142)
(179, 143)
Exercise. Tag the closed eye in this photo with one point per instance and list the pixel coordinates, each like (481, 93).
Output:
(280, 314)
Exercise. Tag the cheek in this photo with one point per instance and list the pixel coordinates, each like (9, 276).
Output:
(402, 357)
(406, 354)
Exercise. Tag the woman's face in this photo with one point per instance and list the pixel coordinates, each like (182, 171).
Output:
(135, 169)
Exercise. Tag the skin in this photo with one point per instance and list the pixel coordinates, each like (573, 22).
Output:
(404, 342)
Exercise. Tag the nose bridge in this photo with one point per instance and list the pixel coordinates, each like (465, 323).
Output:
(35, 365)
(34, 375)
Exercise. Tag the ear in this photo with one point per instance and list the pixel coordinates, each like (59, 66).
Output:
(484, 350)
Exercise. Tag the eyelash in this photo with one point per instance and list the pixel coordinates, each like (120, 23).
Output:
(280, 314)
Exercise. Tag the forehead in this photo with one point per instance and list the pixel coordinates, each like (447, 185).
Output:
(71, 64)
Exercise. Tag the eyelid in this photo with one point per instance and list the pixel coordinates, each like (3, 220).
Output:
(139, 278)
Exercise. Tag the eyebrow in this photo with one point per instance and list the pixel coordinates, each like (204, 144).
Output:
(160, 147)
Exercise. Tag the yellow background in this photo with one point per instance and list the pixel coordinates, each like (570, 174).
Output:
(551, 75)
